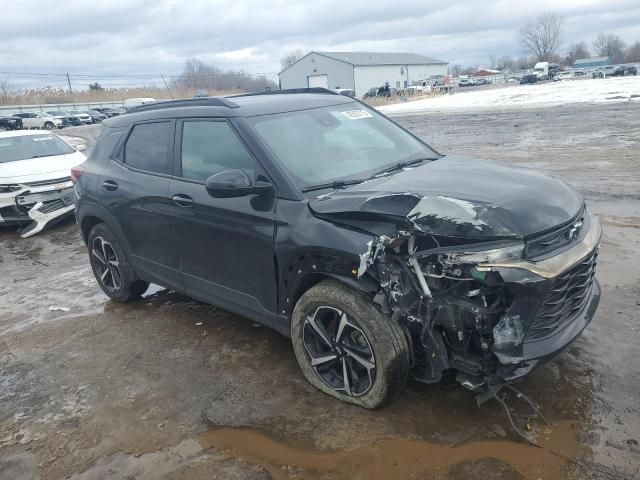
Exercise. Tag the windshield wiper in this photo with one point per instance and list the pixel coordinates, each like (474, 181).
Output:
(334, 184)
(400, 166)
(48, 155)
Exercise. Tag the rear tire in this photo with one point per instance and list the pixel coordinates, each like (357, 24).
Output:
(110, 265)
(370, 350)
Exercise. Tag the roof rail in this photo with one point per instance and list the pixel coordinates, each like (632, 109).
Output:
(186, 102)
(321, 90)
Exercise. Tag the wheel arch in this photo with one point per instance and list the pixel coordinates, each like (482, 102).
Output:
(89, 215)
(305, 282)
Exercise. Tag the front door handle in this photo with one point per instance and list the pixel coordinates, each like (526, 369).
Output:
(182, 200)
(110, 185)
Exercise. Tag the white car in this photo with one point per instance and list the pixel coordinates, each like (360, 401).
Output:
(562, 76)
(38, 120)
(84, 117)
(35, 179)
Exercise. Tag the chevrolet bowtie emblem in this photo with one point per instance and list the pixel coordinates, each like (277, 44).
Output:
(574, 231)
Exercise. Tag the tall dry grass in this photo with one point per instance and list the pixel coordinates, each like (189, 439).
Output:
(57, 95)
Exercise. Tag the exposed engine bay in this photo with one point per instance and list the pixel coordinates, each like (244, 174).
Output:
(487, 311)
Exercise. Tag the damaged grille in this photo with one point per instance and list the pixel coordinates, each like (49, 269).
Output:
(566, 298)
(51, 206)
(547, 243)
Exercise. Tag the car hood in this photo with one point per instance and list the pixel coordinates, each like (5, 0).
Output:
(39, 169)
(458, 197)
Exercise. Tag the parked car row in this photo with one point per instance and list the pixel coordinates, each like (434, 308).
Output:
(472, 81)
(54, 119)
(615, 71)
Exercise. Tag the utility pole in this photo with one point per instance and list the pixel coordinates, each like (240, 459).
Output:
(69, 82)
(166, 85)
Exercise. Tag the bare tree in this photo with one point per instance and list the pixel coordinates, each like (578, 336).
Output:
(524, 62)
(610, 45)
(577, 51)
(541, 38)
(291, 58)
(506, 63)
(196, 75)
(455, 70)
(632, 53)
(5, 91)
(492, 61)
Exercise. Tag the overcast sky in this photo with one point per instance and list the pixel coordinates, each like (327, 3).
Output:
(151, 37)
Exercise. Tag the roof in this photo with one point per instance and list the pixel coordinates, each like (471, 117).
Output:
(249, 105)
(592, 60)
(377, 58)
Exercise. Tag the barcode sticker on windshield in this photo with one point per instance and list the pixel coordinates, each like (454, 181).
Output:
(356, 114)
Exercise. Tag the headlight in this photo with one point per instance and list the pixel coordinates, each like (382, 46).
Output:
(501, 253)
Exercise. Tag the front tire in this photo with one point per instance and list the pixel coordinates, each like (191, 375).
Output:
(111, 267)
(347, 348)
(49, 126)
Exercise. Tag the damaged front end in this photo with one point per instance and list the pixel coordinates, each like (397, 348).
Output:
(36, 204)
(477, 302)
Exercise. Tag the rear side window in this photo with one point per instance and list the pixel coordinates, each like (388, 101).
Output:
(212, 147)
(106, 145)
(148, 147)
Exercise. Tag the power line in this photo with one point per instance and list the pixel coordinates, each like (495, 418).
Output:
(141, 76)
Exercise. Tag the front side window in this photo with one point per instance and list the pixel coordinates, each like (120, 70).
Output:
(148, 147)
(337, 142)
(212, 147)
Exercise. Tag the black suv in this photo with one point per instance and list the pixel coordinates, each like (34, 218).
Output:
(319, 217)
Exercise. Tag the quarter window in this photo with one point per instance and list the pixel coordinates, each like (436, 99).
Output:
(148, 147)
(212, 147)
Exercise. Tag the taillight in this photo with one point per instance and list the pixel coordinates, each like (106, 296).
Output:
(76, 173)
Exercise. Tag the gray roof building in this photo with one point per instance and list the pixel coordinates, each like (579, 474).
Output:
(375, 58)
(592, 62)
(361, 71)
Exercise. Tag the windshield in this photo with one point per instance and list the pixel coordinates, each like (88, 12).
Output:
(31, 146)
(340, 142)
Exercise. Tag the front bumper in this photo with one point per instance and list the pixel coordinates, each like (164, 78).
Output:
(556, 298)
(37, 205)
(538, 352)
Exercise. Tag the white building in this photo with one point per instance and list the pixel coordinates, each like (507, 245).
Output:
(360, 71)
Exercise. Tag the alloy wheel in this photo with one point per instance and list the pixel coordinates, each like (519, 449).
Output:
(106, 264)
(339, 351)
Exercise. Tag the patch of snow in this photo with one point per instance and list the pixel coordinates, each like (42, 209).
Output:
(612, 89)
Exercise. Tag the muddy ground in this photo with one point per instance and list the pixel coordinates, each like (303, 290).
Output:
(167, 387)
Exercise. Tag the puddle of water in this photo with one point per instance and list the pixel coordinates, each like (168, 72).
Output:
(397, 458)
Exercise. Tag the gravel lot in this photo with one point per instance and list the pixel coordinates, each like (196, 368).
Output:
(168, 387)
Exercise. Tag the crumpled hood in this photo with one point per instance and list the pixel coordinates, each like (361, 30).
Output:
(39, 169)
(458, 197)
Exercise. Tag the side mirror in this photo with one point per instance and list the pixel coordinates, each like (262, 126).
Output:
(235, 183)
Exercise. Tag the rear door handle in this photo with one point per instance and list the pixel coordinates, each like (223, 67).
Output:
(110, 185)
(182, 200)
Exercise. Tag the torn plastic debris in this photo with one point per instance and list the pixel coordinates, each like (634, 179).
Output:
(374, 247)
(38, 206)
